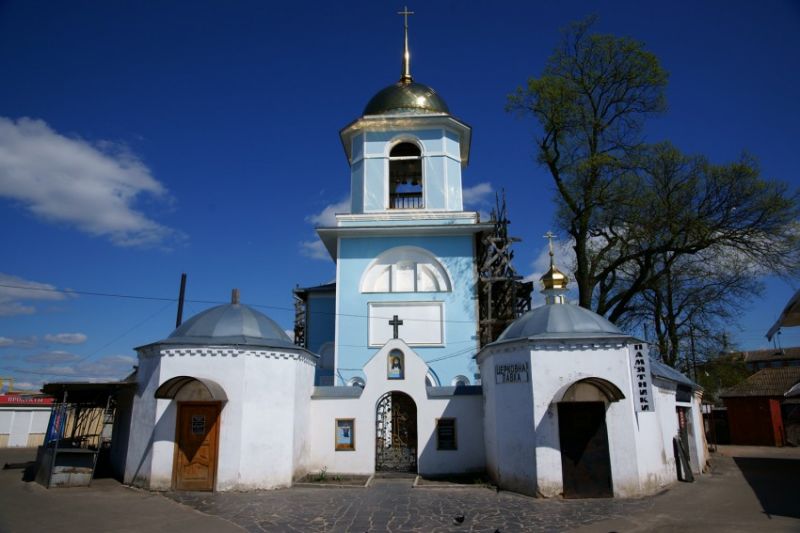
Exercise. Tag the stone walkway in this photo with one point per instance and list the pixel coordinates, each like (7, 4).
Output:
(393, 505)
(749, 489)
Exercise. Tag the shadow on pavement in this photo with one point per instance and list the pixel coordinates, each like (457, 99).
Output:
(774, 481)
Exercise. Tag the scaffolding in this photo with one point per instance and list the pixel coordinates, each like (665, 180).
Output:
(503, 296)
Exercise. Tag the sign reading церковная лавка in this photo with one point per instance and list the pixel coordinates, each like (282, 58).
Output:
(640, 377)
(511, 373)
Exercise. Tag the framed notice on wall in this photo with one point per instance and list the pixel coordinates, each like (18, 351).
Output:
(345, 434)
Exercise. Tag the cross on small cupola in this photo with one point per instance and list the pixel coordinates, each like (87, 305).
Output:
(395, 322)
(554, 282)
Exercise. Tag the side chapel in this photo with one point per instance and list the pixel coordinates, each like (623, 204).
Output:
(561, 404)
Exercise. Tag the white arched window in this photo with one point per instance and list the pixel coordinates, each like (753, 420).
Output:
(405, 269)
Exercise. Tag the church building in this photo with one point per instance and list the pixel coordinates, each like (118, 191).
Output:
(390, 374)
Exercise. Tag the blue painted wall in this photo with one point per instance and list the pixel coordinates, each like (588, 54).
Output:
(441, 163)
(456, 253)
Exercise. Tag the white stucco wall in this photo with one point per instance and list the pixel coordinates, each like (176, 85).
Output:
(522, 429)
(509, 426)
(466, 409)
(259, 443)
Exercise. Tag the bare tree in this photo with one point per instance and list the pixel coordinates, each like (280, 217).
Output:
(653, 229)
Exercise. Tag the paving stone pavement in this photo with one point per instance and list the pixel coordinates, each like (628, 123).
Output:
(393, 505)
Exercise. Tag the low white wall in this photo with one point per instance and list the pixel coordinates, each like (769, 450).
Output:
(508, 424)
(466, 409)
(522, 428)
(23, 426)
(257, 425)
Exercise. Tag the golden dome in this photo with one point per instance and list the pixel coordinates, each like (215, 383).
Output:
(553, 278)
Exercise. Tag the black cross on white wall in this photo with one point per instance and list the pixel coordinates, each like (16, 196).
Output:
(395, 323)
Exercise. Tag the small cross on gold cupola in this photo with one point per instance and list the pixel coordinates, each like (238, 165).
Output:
(554, 282)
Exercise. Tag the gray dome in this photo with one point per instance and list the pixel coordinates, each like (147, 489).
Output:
(560, 321)
(406, 96)
(231, 324)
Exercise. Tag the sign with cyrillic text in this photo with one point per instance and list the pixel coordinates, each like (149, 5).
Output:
(640, 377)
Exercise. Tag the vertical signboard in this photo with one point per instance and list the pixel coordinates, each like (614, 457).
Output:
(640, 377)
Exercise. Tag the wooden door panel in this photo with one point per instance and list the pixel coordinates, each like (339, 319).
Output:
(196, 446)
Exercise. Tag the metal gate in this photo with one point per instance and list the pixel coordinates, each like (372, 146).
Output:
(396, 433)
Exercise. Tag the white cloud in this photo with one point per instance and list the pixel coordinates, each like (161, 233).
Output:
(477, 194)
(289, 333)
(563, 257)
(110, 367)
(92, 186)
(54, 356)
(17, 342)
(16, 294)
(58, 370)
(58, 364)
(325, 218)
(27, 386)
(314, 249)
(66, 338)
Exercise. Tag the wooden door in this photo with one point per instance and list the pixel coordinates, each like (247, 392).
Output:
(585, 461)
(196, 444)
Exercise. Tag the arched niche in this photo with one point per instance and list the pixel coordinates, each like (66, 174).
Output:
(591, 390)
(460, 381)
(396, 364)
(405, 269)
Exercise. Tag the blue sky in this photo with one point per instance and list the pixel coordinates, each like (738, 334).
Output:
(148, 139)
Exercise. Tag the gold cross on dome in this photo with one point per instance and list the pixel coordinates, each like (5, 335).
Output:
(550, 236)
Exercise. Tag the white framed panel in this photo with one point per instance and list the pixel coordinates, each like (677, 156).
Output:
(423, 323)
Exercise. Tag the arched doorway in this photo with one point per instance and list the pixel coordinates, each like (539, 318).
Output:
(583, 437)
(199, 403)
(396, 433)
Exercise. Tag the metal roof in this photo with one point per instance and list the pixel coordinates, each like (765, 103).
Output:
(664, 371)
(789, 317)
(560, 321)
(230, 324)
(409, 96)
(771, 354)
(326, 287)
(765, 382)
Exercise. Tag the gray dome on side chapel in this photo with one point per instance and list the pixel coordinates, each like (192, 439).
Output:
(560, 321)
(234, 324)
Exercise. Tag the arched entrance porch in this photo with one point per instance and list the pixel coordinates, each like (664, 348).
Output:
(199, 403)
(396, 433)
(583, 437)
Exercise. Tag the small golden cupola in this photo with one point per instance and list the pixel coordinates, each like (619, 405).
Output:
(554, 282)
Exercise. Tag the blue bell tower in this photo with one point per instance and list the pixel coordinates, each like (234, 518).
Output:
(405, 254)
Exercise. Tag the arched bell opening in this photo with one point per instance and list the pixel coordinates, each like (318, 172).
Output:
(396, 433)
(405, 176)
(583, 438)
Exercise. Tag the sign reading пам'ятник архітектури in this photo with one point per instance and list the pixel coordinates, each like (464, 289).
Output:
(640, 377)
